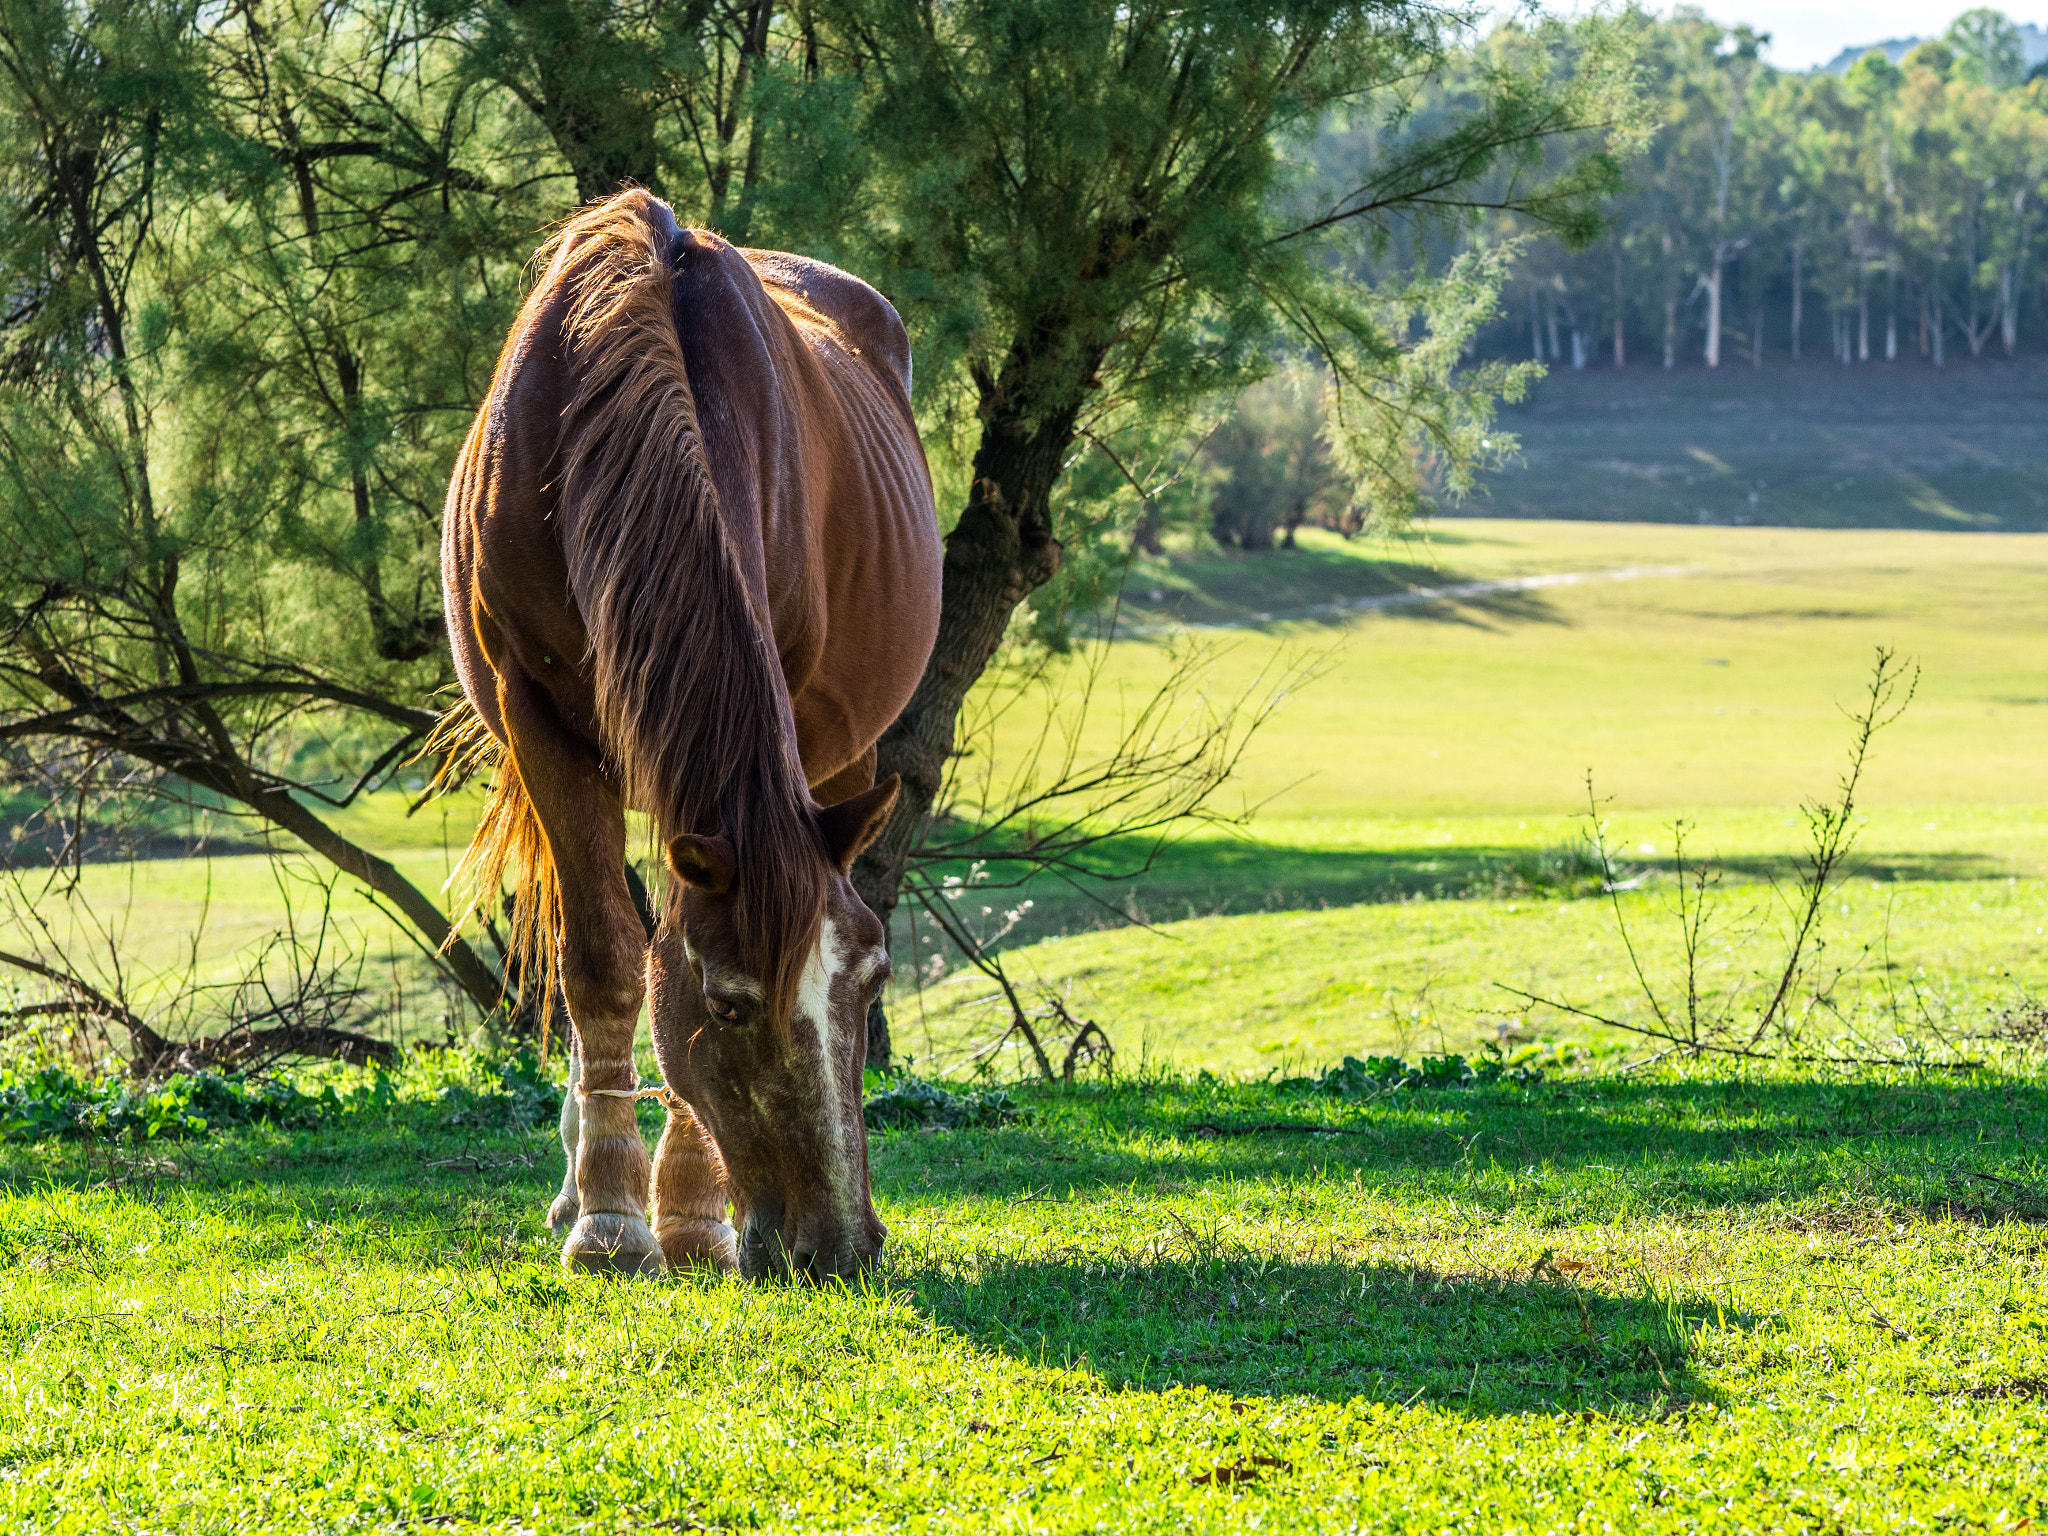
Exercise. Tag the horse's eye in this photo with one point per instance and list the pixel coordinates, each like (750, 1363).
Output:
(722, 1011)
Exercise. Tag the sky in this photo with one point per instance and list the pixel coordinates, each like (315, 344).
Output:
(1809, 32)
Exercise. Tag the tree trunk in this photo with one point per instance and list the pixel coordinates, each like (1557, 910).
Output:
(1970, 284)
(2016, 273)
(1862, 322)
(1670, 334)
(580, 91)
(1756, 337)
(1620, 308)
(1938, 325)
(1535, 326)
(1891, 307)
(1002, 550)
(1798, 290)
(1714, 313)
(1556, 351)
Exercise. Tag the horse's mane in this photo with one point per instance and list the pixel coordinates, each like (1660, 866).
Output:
(692, 707)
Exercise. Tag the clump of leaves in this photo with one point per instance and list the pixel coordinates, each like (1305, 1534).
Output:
(1569, 871)
(914, 1103)
(518, 1096)
(54, 1101)
(1355, 1079)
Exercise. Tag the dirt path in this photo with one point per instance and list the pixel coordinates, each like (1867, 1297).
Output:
(1415, 596)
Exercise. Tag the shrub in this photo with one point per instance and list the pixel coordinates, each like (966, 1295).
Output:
(54, 1101)
(519, 1096)
(1355, 1079)
(909, 1103)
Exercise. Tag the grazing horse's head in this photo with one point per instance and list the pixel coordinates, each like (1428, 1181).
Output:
(780, 1095)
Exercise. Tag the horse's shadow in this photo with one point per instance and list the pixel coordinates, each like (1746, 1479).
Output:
(1470, 1343)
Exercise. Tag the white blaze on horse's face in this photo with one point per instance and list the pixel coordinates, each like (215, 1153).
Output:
(837, 1067)
(783, 1106)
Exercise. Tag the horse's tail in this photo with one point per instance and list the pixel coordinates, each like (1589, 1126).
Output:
(692, 712)
(507, 848)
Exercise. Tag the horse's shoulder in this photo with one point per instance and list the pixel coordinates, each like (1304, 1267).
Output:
(867, 323)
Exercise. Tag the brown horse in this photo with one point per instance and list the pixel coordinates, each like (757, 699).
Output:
(692, 568)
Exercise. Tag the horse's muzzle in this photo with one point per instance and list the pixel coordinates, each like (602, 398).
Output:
(772, 1249)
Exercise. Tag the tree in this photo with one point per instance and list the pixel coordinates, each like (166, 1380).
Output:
(1089, 223)
(251, 277)
(1269, 463)
(259, 256)
(1988, 49)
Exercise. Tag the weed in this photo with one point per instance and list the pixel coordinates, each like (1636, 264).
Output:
(1375, 1075)
(909, 1103)
(53, 1101)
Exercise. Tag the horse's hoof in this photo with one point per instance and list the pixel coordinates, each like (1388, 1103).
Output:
(608, 1243)
(700, 1244)
(563, 1213)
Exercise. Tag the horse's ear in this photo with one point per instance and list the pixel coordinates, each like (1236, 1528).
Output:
(705, 862)
(855, 822)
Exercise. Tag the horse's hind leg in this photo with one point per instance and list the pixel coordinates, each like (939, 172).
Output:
(602, 948)
(563, 1213)
(689, 1195)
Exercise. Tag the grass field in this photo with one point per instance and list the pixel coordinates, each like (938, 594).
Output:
(1384, 887)
(1405, 795)
(1204, 1297)
(1685, 1303)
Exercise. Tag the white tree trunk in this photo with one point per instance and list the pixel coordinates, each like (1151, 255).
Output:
(1714, 315)
(1938, 326)
(1620, 358)
(1798, 291)
(1891, 308)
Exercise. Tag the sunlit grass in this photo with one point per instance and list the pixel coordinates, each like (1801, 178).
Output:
(1717, 1304)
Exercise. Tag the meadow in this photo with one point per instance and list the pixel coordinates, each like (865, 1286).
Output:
(1209, 1294)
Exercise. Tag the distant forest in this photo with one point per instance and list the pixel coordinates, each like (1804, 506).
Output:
(1880, 212)
(1889, 212)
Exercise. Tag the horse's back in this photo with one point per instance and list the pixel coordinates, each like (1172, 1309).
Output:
(799, 377)
(867, 322)
(874, 530)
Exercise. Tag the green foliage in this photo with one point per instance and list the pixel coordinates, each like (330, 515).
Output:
(52, 1101)
(914, 1103)
(1375, 1075)
(1987, 48)
(1900, 202)
(517, 1092)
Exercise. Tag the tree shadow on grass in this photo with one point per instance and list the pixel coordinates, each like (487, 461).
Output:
(1475, 1343)
(1213, 877)
(1314, 583)
(1561, 1153)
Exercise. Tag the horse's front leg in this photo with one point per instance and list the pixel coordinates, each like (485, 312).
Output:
(689, 1194)
(601, 948)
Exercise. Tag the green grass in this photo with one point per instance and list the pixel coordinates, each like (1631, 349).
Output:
(1258, 992)
(1716, 688)
(1815, 445)
(1439, 757)
(1672, 1299)
(1709, 1303)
